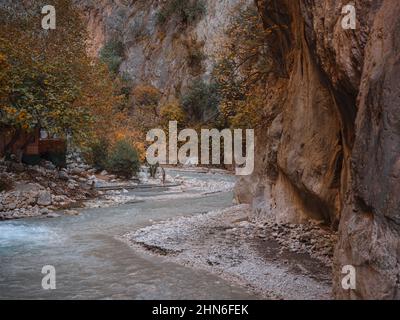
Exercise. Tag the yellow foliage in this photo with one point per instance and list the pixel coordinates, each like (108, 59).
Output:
(48, 79)
(146, 95)
(172, 111)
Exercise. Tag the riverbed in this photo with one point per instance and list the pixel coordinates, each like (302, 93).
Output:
(91, 263)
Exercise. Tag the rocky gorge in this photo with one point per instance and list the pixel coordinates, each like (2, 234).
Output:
(323, 195)
(329, 150)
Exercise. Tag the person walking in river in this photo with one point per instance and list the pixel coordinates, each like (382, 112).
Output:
(163, 175)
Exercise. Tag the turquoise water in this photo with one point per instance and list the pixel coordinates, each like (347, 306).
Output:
(91, 263)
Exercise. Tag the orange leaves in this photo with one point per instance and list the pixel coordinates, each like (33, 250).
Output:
(146, 95)
(172, 111)
(128, 133)
(21, 116)
(10, 110)
(50, 79)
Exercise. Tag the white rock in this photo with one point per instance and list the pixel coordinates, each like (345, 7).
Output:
(72, 212)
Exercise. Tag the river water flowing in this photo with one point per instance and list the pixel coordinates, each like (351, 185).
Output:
(91, 263)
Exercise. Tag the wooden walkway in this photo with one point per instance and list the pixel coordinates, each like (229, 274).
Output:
(138, 187)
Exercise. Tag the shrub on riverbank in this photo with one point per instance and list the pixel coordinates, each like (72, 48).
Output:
(123, 159)
(98, 154)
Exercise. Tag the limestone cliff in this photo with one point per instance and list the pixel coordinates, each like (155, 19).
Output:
(331, 151)
(162, 56)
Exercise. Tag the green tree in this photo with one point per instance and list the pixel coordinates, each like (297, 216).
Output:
(123, 159)
(201, 101)
(112, 55)
(186, 11)
(98, 153)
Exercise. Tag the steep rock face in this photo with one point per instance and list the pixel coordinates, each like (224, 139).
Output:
(154, 54)
(331, 149)
(300, 153)
(370, 224)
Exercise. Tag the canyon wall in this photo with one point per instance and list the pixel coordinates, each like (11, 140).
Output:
(160, 55)
(331, 150)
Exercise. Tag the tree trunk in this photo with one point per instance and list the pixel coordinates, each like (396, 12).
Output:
(9, 146)
(20, 151)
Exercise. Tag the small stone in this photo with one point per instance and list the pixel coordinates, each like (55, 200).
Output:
(12, 206)
(53, 215)
(72, 212)
(76, 171)
(63, 175)
(49, 165)
(44, 198)
(44, 211)
(71, 186)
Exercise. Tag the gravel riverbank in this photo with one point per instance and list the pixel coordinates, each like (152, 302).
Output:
(45, 191)
(277, 261)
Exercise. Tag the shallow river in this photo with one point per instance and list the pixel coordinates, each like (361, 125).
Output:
(91, 264)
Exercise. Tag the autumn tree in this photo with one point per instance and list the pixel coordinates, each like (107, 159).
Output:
(242, 69)
(172, 111)
(145, 106)
(47, 78)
